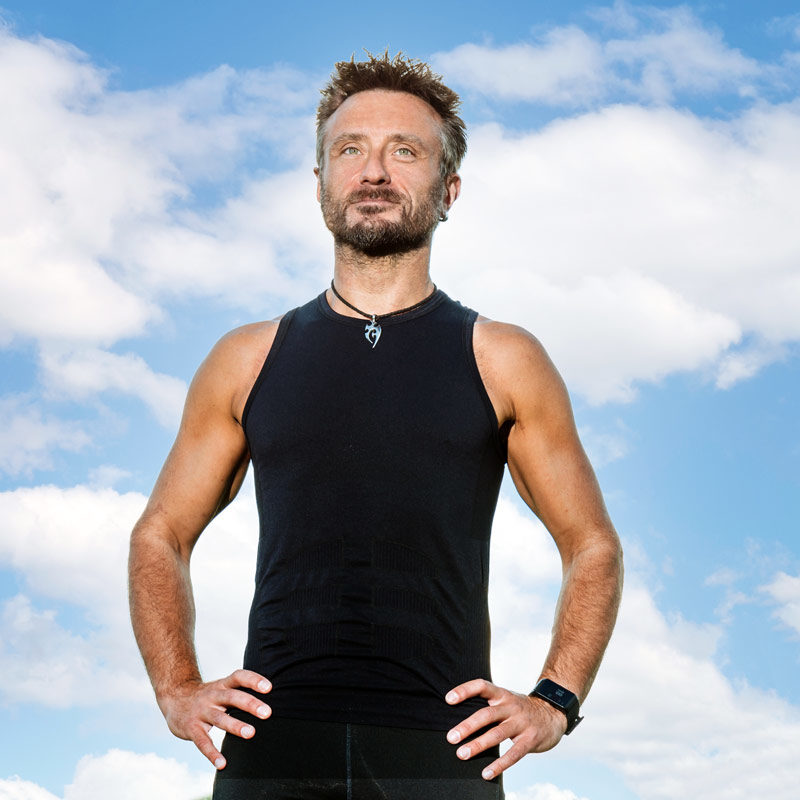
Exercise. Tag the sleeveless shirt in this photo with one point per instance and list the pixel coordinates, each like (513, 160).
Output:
(377, 471)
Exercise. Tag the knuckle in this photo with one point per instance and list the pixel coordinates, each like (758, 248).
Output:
(500, 733)
(219, 719)
(240, 676)
(515, 753)
(203, 743)
(230, 697)
(233, 678)
(486, 716)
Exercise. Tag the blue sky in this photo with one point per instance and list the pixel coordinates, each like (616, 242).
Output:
(630, 196)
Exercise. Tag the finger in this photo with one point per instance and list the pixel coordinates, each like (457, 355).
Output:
(493, 737)
(225, 722)
(480, 719)
(509, 758)
(474, 688)
(248, 679)
(233, 698)
(202, 741)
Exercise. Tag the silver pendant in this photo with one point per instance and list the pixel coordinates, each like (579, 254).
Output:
(372, 332)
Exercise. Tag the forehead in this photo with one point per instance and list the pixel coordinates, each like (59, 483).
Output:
(378, 111)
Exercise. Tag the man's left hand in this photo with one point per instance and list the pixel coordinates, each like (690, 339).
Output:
(532, 724)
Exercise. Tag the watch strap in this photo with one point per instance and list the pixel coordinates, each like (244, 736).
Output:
(562, 699)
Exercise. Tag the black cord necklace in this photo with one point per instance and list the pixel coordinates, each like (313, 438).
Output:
(372, 331)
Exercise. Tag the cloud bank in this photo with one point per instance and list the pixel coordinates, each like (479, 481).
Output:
(640, 240)
(645, 714)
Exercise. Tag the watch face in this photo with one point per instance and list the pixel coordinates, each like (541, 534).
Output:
(555, 694)
(560, 698)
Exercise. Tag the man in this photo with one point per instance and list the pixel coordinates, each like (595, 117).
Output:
(379, 417)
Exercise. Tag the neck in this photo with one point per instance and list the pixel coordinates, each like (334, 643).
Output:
(380, 285)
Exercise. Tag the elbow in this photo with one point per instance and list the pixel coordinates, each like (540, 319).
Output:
(601, 555)
(153, 537)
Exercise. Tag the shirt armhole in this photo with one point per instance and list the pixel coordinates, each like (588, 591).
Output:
(280, 335)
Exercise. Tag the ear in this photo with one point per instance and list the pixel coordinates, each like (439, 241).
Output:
(319, 187)
(452, 189)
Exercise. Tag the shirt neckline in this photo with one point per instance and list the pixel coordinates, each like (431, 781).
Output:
(435, 301)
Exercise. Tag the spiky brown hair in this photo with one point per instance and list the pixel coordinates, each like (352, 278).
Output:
(398, 74)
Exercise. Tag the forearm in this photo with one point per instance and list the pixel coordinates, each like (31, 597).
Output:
(585, 615)
(162, 608)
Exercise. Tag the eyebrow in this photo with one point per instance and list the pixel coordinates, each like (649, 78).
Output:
(395, 137)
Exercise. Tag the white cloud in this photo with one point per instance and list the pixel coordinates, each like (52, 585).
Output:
(651, 726)
(44, 663)
(136, 776)
(787, 24)
(544, 791)
(637, 242)
(83, 373)
(106, 475)
(223, 574)
(70, 546)
(662, 714)
(122, 775)
(567, 67)
(661, 53)
(28, 436)
(69, 183)
(94, 170)
(49, 293)
(265, 247)
(645, 717)
(742, 364)
(605, 447)
(682, 55)
(785, 592)
(15, 788)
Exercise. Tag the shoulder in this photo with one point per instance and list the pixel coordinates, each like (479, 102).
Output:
(503, 340)
(228, 373)
(516, 369)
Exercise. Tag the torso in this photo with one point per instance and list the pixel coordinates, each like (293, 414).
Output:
(377, 472)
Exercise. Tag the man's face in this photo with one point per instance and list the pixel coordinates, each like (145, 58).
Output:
(380, 185)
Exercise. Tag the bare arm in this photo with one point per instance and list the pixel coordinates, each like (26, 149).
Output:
(554, 477)
(201, 475)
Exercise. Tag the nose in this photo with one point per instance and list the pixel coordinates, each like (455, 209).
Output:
(374, 171)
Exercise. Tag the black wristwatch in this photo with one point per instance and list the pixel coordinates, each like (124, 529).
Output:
(562, 699)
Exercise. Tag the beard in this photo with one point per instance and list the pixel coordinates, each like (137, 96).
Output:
(373, 235)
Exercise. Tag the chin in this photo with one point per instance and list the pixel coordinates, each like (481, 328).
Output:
(368, 214)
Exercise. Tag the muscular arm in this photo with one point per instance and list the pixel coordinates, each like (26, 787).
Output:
(201, 475)
(554, 477)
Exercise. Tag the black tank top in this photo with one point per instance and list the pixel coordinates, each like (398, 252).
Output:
(377, 471)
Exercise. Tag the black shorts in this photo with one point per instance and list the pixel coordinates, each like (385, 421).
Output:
(292, 759)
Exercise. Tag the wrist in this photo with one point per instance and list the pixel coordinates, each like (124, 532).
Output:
(561, 699)
(168, 690)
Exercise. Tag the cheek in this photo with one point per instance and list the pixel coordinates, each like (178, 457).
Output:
(337, 182)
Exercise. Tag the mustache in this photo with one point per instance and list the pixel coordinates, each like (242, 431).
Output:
(376, 193)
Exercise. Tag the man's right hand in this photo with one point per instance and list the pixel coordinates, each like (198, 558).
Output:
(192, 709)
